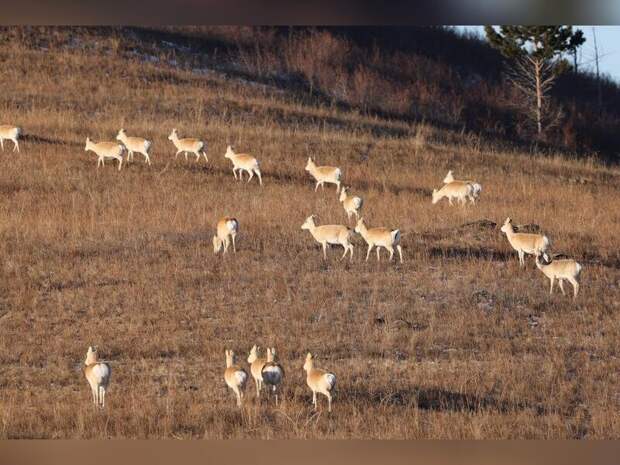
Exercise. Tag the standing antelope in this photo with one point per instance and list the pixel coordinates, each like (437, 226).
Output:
(563, 269)
(11, 133)
(243, 162)
(330, 234)
(319, 381)
(135, 144)
(458, 190)
(188, 145)
(227, 229)
(256, 368)
(98, 376)
(380, 237)
(106, 150)
(323, 174)
(449, 178)
(475, 191)
(272, 372)
(352, 205)
(525, 243)
(235, 376)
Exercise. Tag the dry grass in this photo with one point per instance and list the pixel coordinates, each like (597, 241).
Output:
(457, 342)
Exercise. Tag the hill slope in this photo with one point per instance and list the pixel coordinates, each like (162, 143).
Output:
(430, 74)
(457, 342)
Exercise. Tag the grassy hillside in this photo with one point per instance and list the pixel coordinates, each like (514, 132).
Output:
(431, 74)
(456, 342)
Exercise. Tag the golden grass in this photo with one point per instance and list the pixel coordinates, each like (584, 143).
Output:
(457, 342)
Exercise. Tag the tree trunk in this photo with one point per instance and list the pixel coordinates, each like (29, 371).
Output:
(575, 61)
(537, 71)
(598, 76)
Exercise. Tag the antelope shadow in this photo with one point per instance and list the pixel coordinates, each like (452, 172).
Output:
(437, 399)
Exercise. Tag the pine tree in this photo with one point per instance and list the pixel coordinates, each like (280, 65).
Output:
(534, 53)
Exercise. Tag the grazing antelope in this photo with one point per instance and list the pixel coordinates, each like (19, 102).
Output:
(243, 162)
(458, 190)
(106, 150)
(380, 237)
(188, 145)
(272, 372)
(11, 133)
(235, 376)
(330, 234)
(135, 144)
(256, 368)
(525, 243)
(98, 376)
(352, 205)
(323, 174)
(476, 188)
(565, 269)
(227, 229)
(319, 381)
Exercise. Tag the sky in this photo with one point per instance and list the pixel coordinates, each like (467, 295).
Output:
(608, 41)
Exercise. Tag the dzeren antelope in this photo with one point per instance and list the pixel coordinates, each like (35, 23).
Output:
(319, 381)
(188, 145)
(106, 150)
(564, 269)
(525, 243)
(476, 187)
(11, 133)
(272, 372)
(458, 190)
(98, 376)
(243, 162)
(380, 237)
(323, 174)
(235, 376)
(352, 205)
(227, 229)
(330, 234)
(135, 144)
(256, 368)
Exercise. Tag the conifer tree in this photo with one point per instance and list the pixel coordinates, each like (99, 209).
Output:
(534, 54)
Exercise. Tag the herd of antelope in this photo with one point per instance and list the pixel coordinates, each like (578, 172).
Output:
(266, 371)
